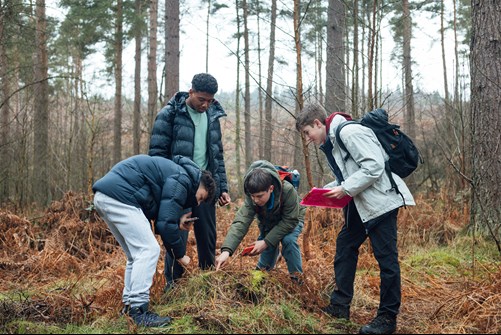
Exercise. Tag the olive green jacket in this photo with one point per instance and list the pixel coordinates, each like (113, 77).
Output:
(275, 223)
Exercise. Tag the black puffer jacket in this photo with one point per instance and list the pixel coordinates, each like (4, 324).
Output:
(174, 132)
(162, 188)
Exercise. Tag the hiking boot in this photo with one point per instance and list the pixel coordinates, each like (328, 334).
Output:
(337, 311)
(382, 324)
(145, 318)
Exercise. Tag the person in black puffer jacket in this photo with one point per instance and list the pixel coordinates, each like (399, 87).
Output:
(143, 188)
(189, 126)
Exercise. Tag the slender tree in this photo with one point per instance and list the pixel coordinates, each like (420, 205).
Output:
(41, 182)
(335, 96)
(171, 48)
(247, 111)
(268, 125)
(136, 124)
(354, 80)
(4, 109)
(117, 124)
(410, 122)
(152, 65)
(238, 142)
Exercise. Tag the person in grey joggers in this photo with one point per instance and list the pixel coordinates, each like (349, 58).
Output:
(135, 191)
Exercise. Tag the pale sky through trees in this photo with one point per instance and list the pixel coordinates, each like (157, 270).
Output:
(426, 54)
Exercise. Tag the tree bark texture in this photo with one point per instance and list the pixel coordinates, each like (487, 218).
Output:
(171, 48)
(268, 125)
(335, 95)
(136, 122)
(410, 122)
(41, 182)
(247, 115)
(485, 65)
(152, 65)
(117, 124)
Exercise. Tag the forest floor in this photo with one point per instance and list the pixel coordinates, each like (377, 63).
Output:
(62, 272)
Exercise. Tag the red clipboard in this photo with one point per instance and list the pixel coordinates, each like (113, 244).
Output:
(315, 198)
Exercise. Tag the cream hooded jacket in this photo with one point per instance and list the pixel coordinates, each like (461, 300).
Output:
(363, 171)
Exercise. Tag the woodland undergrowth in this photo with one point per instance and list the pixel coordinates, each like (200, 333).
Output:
(62, 272)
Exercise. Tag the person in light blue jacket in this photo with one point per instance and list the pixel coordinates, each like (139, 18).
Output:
(371, 213)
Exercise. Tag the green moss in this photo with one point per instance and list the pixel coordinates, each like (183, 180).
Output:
(258, 277)
(27, 327)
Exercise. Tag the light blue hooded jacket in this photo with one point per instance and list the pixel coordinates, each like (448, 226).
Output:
(365, 178)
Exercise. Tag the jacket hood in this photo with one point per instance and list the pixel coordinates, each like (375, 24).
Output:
(192, 169)
(267, 166)
(334, 120)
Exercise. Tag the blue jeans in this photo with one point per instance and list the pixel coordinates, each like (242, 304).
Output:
(290, 251)
(133, 232)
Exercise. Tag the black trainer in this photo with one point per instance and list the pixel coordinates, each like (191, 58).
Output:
(337, 311)
(382, 324)
(143, 317)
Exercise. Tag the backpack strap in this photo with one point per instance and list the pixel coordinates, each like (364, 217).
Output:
(338, 138)
(386, 163)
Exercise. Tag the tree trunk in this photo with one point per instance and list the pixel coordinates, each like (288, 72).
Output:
(268, 127)
(171, 48)
(260, 91)
(152, 66)
(410, 122)
(370, 61)
(136, 123)
(485, 65)
(207, 36)
(238, 142)
(354, 80)
(5, 158)
(41, 181)
(335, 96)
(247, 116)
(300, 102)
(117, 129)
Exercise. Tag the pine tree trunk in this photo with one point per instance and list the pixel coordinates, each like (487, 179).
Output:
(41, 181)
(238, 142)
(172, 48)
(152, 66)
(485, 65)
(136, 127)
(410, 122)
(247, 116)
(5, 158)
(117, 128)
(268, 128)
(335, 96)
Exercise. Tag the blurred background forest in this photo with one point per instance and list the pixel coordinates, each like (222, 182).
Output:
(68, 113)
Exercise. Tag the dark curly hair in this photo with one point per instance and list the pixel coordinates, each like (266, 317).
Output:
(204, 82)
(210, 185)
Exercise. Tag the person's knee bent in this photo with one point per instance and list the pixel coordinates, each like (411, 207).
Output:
(151, 251)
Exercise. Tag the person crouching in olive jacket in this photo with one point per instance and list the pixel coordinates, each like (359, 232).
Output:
(143, 188)
(275, 202)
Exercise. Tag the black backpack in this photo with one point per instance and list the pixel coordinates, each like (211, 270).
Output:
(404, 155)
